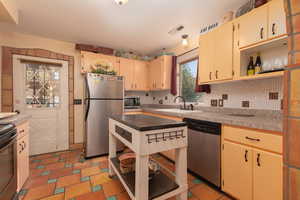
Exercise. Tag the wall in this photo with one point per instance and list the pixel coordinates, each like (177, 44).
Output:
(19, 40)
(291, 136)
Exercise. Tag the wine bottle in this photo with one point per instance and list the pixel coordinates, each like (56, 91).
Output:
(250, 68)
(258, 64)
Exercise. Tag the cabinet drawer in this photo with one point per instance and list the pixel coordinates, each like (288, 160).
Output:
(259, 139)
(22, 130)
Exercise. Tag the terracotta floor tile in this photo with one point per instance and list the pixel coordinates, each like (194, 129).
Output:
(123, 196)
(113, 187)
(103, 164)
(35, 182)
(40, 192)
(60, 172)
(50, 160)
(80, 165)
(35, 172)
(203, 191)
(53, 166)
(92, 196)
(55, 197)
(68, 180)
(43, 156)
(224, 197)
(100, 179)
(90, 171)
(77, 190)
(100, 159)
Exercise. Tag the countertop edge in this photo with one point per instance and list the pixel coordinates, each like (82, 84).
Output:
(237, 122)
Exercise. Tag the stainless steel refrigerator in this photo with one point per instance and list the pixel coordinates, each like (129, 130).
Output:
(104, 97)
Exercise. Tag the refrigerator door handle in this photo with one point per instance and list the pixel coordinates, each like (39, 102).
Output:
(87, 100)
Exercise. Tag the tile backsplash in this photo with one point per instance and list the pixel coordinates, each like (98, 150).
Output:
(251, 94)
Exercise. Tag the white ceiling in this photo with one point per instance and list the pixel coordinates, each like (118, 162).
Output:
(140, 25)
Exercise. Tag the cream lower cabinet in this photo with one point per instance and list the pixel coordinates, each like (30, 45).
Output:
(249, 173)
(237, 170)
(22, 154)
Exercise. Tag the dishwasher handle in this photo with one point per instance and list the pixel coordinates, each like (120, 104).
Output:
(203, 126)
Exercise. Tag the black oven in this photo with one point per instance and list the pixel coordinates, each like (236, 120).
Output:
(8, 156)
(132, 102)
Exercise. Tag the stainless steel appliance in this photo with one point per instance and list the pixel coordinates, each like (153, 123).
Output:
(104, 98)
(204, 150)
(132, 102)
(8, 156)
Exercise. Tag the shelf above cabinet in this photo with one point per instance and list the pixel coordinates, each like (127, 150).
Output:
(262, 76)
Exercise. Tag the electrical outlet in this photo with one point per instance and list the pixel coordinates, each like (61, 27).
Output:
(225, 96)
(214, 102)
(273, 96)
(221, 102)
(245, 104)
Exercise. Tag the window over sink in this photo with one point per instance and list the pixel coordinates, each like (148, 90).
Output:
(188, 77)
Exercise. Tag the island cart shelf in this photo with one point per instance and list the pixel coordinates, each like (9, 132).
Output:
(146, 135)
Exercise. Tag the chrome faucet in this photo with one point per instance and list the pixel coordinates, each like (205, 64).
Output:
(183, 99)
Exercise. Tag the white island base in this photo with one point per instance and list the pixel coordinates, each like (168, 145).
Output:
(145, 143)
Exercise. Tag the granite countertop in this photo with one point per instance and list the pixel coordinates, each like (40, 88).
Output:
(147, 123)
(16, 120)
(263, 122)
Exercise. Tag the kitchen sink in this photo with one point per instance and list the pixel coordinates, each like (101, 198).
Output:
(241, 115)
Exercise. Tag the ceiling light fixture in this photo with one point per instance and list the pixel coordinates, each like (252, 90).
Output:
(185, 41)
(121, 2)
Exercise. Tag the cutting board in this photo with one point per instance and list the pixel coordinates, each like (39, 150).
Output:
(4, 115)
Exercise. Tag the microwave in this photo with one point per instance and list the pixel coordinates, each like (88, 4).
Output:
(132, 102)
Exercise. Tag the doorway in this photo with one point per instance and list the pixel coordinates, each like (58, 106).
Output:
(41, 90)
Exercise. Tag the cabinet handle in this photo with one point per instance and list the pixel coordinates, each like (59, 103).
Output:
(273, 28)
(246, 156)
(252, 139)
(258, 160)
(210, 75)
(262, 33)
(24, 145)
(22, 131)
(21, 148)
(217, 74)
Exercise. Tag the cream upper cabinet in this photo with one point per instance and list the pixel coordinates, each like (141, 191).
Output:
(223, 52)
(141, 74)
(253, 27)
(267, 176)
(206, 57)
(237, 170)
(216, 55)
(160, 73)
(91, 59)
(127, 71)
(277, 19)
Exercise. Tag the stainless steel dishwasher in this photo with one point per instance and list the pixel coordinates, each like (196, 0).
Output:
(204, 149)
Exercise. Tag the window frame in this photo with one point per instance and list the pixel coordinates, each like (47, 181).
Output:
(180, 74)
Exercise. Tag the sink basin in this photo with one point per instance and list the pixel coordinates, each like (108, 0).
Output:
(241, 115)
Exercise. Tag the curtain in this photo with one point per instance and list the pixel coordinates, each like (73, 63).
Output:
(174, 76)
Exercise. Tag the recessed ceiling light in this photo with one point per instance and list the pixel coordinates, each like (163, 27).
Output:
(121, 2)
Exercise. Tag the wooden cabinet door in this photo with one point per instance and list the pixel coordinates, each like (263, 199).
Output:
(141, 73)
(277, 19)
(237, 170)
(223, 52)
(253, 27)
(267, 176)
(166, 71)
(206, 57)
(90, 59)
(157, 70)
(22, 160)
(151, 79)
(127, 71)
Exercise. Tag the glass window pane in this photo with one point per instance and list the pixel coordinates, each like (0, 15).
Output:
(42, 86)
(188, 81)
